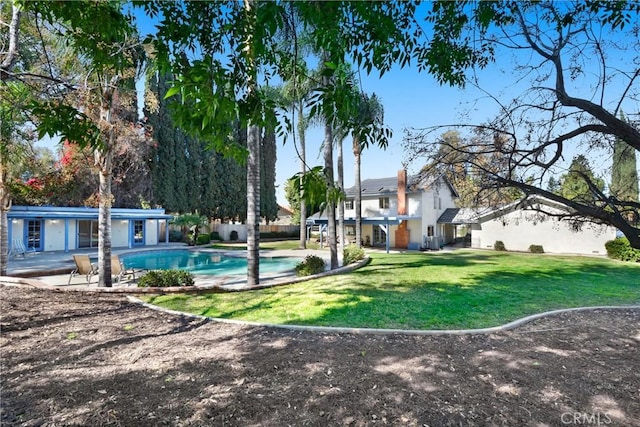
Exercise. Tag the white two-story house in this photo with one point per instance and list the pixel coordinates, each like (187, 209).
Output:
(401, 212)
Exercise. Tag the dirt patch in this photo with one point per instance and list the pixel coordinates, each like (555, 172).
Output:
(97, 359)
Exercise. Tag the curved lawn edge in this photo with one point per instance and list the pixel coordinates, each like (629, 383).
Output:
(215, 287)
(378, 331)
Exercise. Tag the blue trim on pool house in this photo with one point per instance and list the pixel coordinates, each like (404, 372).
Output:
(49, 228)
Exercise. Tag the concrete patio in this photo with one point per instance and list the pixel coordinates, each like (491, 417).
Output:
(53, 268)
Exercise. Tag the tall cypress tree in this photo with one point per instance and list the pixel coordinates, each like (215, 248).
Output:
(231, 184)
(624, 172)
(268, 201)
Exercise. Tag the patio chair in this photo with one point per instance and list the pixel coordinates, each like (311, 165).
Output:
(119, 271)
(84, 267)
(18, 248)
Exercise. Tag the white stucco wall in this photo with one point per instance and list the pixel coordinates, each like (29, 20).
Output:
(414, 204)
(371, 207)
(73, 241)
(434, 202)
(225, 231)
(520, 229)
(151, 232)
(53, 235)
(415, 231)
(17, 230)
(119, 233)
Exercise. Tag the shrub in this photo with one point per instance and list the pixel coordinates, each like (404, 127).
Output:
(536, 249)
(352, 253)
(214, 235)
(311, 265)
(203, 239)
(166, 278)
(233, 236)
(499, 246)
(279, 234)
(622, 250)
(175, 236)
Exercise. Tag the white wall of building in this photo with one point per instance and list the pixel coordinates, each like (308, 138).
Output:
(120, 233)
(17, 230)
(54, 235)
(521, 228)
(415, 231)
(371, 207)
(151, 232)
(73, 241)
(414, 204)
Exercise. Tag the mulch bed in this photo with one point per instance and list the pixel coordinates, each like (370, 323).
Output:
(98, 360)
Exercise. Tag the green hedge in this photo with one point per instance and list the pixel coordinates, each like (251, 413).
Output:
(166, 278)
(536, 249)
(499, 246)
(352, 253)
(203, 239)
(311, 265)
(175, 236)
(280, 234)
(622, 250)
(214, 235)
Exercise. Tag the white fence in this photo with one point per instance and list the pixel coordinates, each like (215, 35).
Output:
(225, 230)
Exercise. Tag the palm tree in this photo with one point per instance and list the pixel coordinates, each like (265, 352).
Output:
(191, 222)
(296, 92)
(368, 126)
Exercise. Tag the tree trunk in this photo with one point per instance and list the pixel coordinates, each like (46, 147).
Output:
(328, 167)
(253, 165)
(5, 205)
(357, 199)
(103, 157)
(253, 206)
(303, 169)
(104, 221)
(340, 203)
(12, 53)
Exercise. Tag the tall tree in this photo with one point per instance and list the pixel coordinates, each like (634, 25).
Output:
(624, 177)
(296, 94)
(578, 78)
(76, 94)
(580, 183)
(367, 128)
(268, 201)
(12, 148)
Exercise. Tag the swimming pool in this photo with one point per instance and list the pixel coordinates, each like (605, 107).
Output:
(200, 262)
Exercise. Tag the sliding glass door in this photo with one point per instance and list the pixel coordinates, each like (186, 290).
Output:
(87, 234)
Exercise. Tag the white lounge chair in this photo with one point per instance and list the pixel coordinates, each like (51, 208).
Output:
(18, 248)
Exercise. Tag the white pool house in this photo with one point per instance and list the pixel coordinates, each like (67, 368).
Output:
(47, 228)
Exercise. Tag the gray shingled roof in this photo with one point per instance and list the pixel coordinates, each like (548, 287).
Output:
(387, 186)
(462, 215)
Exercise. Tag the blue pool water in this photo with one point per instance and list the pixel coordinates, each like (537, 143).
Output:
(210, 263)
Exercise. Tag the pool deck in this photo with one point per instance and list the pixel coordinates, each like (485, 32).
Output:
(53, 268)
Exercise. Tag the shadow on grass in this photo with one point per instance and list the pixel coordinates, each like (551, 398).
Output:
(434, 291)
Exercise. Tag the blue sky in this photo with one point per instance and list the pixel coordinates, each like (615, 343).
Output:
(410, 99)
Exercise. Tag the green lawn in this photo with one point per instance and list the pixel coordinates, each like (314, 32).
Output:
(462, 289)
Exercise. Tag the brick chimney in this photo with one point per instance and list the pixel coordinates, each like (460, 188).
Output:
(402, 192)
(402, 232)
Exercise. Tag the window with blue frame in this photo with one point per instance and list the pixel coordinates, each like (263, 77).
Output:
(138, 232)
(33, 234)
